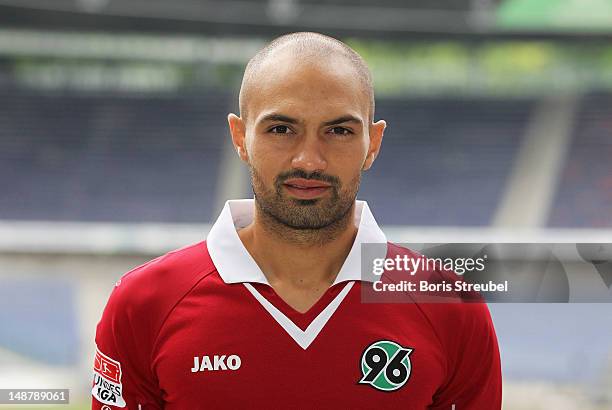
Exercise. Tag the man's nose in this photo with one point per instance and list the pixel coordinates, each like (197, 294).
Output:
(309, 155)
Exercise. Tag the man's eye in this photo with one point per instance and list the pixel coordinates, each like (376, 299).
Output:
(341, 131)
(280, 129)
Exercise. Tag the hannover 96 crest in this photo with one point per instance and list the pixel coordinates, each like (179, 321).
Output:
(385, 365)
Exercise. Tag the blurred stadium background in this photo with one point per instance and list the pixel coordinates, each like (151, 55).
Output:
(114, 149)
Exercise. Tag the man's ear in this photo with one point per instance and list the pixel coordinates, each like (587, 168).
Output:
(238, 132)
(377, 129)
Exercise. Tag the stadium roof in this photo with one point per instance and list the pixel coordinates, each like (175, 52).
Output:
(359, 18)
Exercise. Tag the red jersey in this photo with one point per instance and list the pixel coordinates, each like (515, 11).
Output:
(201, 328)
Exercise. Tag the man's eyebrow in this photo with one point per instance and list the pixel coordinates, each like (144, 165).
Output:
(279, 117)
(343, 119)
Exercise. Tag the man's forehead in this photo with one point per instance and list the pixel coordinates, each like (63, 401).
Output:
(316, 69)
(324, 117)
(297, 86)
(300, 110)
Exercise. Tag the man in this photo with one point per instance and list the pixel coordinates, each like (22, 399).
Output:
(267, 313)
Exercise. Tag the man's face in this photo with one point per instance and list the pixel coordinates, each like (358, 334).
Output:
(307, 138)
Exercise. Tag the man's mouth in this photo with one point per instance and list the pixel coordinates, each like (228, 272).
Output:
(306, 188)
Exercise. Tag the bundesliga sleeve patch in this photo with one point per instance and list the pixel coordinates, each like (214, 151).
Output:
(107, 387)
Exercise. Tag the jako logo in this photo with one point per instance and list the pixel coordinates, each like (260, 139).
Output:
(232, 362)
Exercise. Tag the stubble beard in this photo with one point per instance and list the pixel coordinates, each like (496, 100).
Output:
(305, 221)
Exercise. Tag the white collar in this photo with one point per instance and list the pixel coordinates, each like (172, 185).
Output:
(235, 264)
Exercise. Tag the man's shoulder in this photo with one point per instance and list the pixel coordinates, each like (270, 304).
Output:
(446, 309)
(145, 296)
(396, 249)
(161, 282)
(184, 262)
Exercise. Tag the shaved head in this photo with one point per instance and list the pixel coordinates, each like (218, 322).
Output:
(305, 48)
(306, 131)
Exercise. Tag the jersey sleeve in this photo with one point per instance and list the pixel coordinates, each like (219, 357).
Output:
(474, 379)
(122, 375)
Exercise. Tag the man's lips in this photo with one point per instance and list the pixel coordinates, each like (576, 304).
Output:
(306, 183)
(306, 188)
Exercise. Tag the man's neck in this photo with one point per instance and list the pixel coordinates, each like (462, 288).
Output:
(299, 258)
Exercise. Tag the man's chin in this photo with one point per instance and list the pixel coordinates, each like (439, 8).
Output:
(303, 213)
(305, 202)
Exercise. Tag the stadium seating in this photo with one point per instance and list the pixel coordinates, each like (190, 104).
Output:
(584, 196)
(444, 161)
(110, 157)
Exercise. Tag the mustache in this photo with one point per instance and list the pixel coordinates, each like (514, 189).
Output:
(300, 173)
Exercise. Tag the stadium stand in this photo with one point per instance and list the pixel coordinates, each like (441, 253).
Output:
(103, 157)
(584, 196)
(448, 158)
